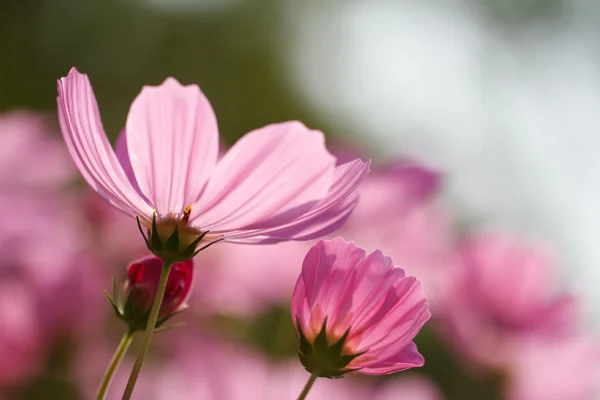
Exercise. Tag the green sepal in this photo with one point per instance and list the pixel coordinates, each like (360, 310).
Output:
(154, 237)
(173, 240)
(142, 232)
(113, 304)
(320, 357)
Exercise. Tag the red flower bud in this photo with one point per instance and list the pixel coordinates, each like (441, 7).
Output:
(139, 290)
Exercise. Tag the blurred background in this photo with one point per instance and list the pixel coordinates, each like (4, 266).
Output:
(481, 119)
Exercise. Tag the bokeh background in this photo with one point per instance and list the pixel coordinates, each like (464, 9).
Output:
(481, 117)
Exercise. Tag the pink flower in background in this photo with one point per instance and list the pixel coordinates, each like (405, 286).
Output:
(554, 368)
(276, 183)
(30, 160)
(503, 289)
(410, 388)
(247, 279)
(40, 244)
(355, 312)
(21, 344)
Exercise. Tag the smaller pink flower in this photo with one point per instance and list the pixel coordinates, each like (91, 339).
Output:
(139, 291)
(356, 313)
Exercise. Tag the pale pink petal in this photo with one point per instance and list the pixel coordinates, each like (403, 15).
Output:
(269, 177)
(89, 147)
(408, 357)
(325, 217)
(173, 144)
(123, 155)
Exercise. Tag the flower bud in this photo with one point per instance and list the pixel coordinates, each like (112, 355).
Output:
(139, 290)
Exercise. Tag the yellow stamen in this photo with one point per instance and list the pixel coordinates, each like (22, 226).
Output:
(186, 214)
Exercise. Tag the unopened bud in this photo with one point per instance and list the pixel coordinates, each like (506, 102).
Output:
(139, 290)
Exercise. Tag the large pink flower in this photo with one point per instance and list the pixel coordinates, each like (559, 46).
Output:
(355, 312)
(276, 183)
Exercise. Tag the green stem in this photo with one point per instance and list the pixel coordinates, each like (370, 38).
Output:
(114, 364)
(308, 385)
(139, 361)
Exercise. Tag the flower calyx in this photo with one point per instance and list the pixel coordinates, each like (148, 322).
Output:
(320, 357)
(172, 240)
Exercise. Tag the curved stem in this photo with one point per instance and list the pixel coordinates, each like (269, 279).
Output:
(139, 361)
(308, 385)
(114, 364)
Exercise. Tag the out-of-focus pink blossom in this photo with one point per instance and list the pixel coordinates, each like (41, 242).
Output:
(276, 183)
(244, 280)
(355, 312)
(21, 338)
(505, 314)
(502, 289)
(554, 368)
(29, 159)
(411, 388)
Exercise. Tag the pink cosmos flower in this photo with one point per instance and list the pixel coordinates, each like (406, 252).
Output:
(356, 313)
(276, 183)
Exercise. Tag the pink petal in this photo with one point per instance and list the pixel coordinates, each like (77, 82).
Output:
(405, 358)
(123, 155)
(323, 263)
(270, 176)
(89, 147)
(398, 320)
(173, 144)
(325, 217)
